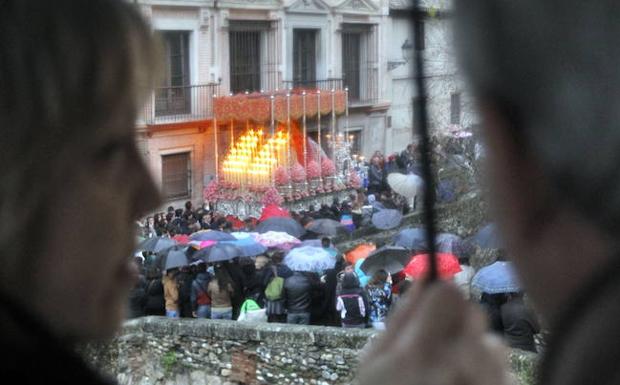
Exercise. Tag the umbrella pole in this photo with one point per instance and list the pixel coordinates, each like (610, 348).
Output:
(422, 123)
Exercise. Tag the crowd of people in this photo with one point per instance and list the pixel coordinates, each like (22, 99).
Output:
(341, 296)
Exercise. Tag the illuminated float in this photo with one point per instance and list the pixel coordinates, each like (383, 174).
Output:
(273, 160)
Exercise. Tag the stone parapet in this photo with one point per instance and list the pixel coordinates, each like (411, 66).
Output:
(157, 350)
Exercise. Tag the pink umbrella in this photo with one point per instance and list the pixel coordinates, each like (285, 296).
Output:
(201, 244)
(277, 239)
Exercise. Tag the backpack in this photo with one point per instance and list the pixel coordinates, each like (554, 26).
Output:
(251, 312)
(274, 289)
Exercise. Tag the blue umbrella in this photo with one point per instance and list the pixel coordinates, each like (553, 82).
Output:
(281, 224)
(248, 246)
(498, 277)
(155, 244)
(387, 219)
(487, 237)
(219, 252)
(412, 239)
(211, 235)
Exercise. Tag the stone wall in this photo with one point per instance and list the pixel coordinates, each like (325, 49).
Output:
(156, 350)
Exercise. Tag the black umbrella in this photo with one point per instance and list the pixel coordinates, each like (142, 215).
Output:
(389, 258)
(412, 239)
(282, 224)
(155, 244)
(175, 256)
(219, 253)
(327, 227)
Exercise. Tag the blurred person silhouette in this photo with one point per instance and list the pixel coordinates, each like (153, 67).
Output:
(72, 77)
(545, 80)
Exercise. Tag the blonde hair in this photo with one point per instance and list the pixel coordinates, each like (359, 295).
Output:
(68, 68)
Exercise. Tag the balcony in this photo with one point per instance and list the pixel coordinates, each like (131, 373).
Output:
(323, 85)
(363, 90)
(169, 105)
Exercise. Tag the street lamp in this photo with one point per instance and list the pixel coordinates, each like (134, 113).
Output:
(407, 49)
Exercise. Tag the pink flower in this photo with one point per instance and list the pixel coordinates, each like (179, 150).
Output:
(211, 191)
(282, 177)
(327, 167)
(354, 180)
(298, 174)
(272, 197)
(314, 170)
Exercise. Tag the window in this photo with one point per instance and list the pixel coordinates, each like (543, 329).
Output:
(420, 37)
(360, 62)
(351, 63)
(455, 108)
(176, 175)
(355, 138)
(252, 50)
(304, 57)
(174, 97)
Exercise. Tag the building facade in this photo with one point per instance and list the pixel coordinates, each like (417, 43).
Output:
(213, 48)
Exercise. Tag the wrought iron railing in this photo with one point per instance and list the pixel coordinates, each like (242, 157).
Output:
(180, 104)
(325, 84)
(363, 85)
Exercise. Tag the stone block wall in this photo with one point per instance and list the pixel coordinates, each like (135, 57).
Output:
(156, 350)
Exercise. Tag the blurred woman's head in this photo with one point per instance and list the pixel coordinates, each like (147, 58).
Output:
(73, 75)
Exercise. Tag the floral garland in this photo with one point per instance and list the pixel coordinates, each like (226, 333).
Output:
(314, 170)
(211, 192)
(282, 177)
(272, 197)
(298, 174)
(327, 167)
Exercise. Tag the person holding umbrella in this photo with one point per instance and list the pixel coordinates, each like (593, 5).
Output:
(519, 322)
(379, 291)
(171, 293)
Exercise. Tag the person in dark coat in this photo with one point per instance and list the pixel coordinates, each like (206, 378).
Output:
(184, 281)
(375, 177)
(298, 290)
(326, 212)
(331, 316)
(155, 303)
(252, 284)
(137, 298)
(276, 310)
(520, 323)
(492, 304)
(352, 303)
